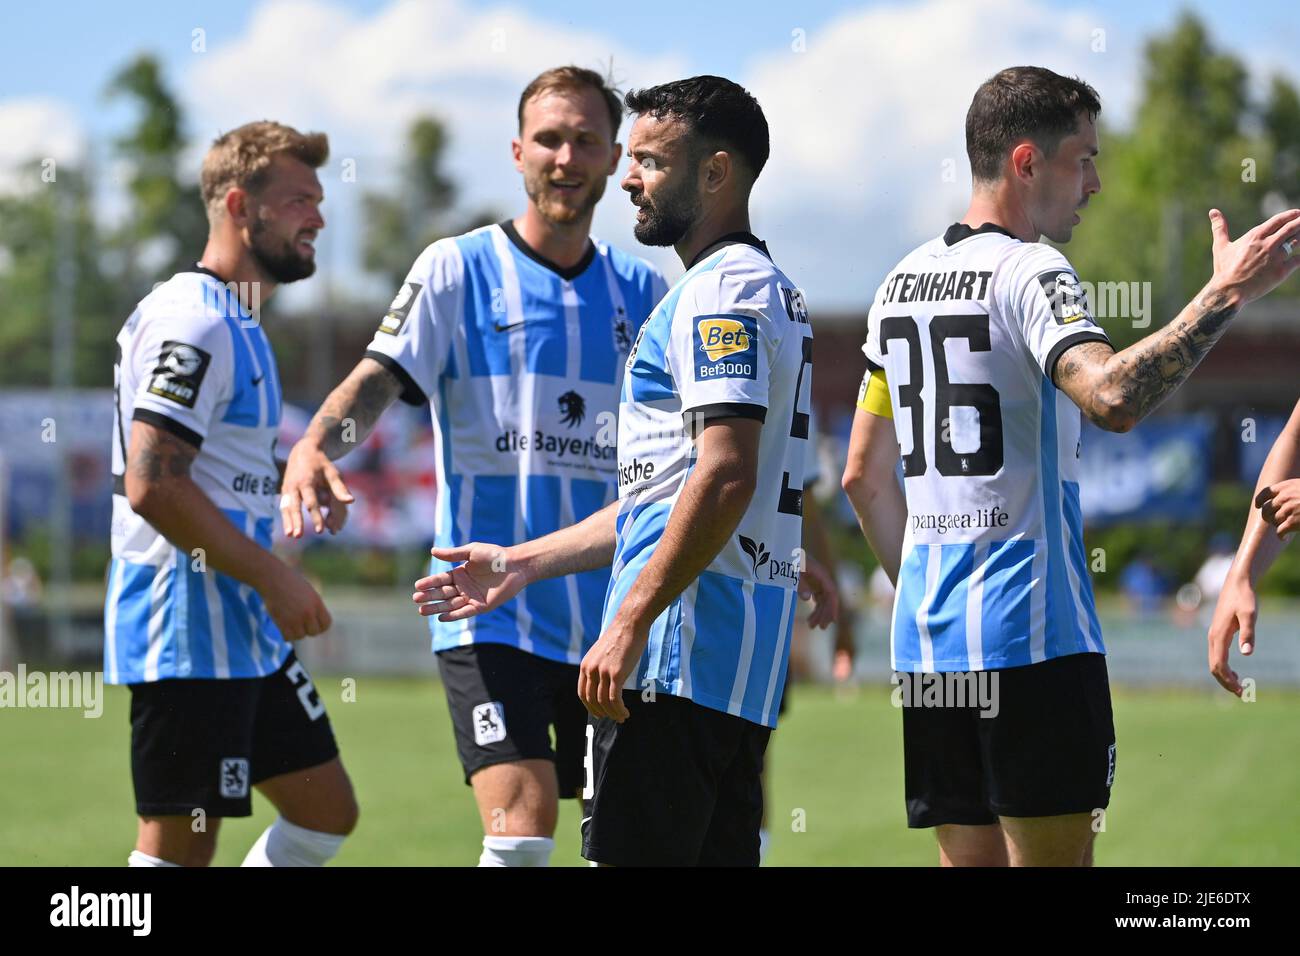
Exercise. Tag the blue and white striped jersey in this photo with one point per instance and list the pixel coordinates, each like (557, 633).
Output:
(968, 328)
(520, 362)
(192, 361)
(730, 339)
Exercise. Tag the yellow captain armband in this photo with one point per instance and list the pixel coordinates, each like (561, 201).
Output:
(873, 396)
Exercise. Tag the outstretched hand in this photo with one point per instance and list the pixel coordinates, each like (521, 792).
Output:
(483, 581)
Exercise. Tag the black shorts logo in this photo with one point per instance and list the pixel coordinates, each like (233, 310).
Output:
(395, 318)
(1110, 766)
(234, 778)
(489, 723)
(179, 373)
(1065, 295)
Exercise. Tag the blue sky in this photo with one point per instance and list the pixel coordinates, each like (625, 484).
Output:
(898, 77)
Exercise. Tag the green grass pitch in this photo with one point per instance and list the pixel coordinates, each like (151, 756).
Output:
(1201, 779)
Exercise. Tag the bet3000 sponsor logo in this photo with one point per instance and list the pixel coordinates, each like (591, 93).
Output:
(726, 346)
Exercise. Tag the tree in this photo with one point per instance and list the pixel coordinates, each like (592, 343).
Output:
(1197, 142)
(168, 226)
(399, 226)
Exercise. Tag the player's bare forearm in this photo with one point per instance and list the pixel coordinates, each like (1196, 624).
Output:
(707, 513)
(160, 490)
(1116, 390)
(873, 489)
(1260, 544)
(349, 412)
(584, 546)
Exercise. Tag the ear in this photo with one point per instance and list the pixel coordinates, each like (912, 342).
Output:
(717, 171)
(237, 205)
(1024, 161)
(615, 155)
(517, 151)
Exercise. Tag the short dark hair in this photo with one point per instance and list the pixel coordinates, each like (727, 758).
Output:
(718, 111)
(1023, 102)
(565, 79)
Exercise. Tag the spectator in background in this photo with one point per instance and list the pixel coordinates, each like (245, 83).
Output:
(1143, 585)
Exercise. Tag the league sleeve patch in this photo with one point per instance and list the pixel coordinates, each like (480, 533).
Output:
(395, 318)
(725, 346)
(179, 373)
(1065, 295)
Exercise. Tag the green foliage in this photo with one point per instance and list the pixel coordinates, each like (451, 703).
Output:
(1195, 127)
(400, 225)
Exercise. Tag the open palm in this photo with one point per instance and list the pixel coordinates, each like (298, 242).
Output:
(482, 582)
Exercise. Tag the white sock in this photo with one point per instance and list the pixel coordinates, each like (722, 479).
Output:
(516, 851)
(144, 859)
(764, 844)
(286, 844)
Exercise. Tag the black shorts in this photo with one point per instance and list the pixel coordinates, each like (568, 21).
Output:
(203, 743)
(1049, 749)
(503, 704)
(676, 784)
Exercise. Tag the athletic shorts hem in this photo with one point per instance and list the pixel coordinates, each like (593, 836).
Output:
(1066, 810)
(295, 766)
(936, 818)
(187, 810)
(496, 761)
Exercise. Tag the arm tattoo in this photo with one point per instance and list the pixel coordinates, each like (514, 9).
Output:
(1151, 369)
(351, 410)
(1144, 374)
(162, 455)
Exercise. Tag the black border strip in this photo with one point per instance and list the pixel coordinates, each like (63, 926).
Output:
(412, 394)
(1059, 349)
(703, 414)
(171, 425)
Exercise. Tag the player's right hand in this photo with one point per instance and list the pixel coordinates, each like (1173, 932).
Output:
(294, 605)
(311, 479)
(484, 580)
(1234, 613)
(1256, 263)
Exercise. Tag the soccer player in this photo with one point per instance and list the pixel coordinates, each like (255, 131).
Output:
(981, 348)
(199, 612)
(1274, 516)
(684, 683)
(515, 335)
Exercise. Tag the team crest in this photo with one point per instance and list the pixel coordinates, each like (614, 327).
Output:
(234, 777)
(489, 723)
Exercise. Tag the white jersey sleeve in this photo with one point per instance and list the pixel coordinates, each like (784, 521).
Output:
(182, 368)
(414, 339)
(721, 347)
(1047, 303)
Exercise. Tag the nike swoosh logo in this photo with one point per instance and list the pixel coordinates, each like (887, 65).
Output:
(506, 328)
(584, 821)
(258, 380)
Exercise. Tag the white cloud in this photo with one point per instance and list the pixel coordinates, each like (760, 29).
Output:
(362, 79)
(866, 122)
(36, 129)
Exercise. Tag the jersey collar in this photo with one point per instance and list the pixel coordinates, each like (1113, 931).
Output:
(959, 231)
(748, 238)
(570, 273)
(207, 272)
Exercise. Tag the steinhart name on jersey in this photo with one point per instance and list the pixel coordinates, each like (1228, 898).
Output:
(103, 909)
